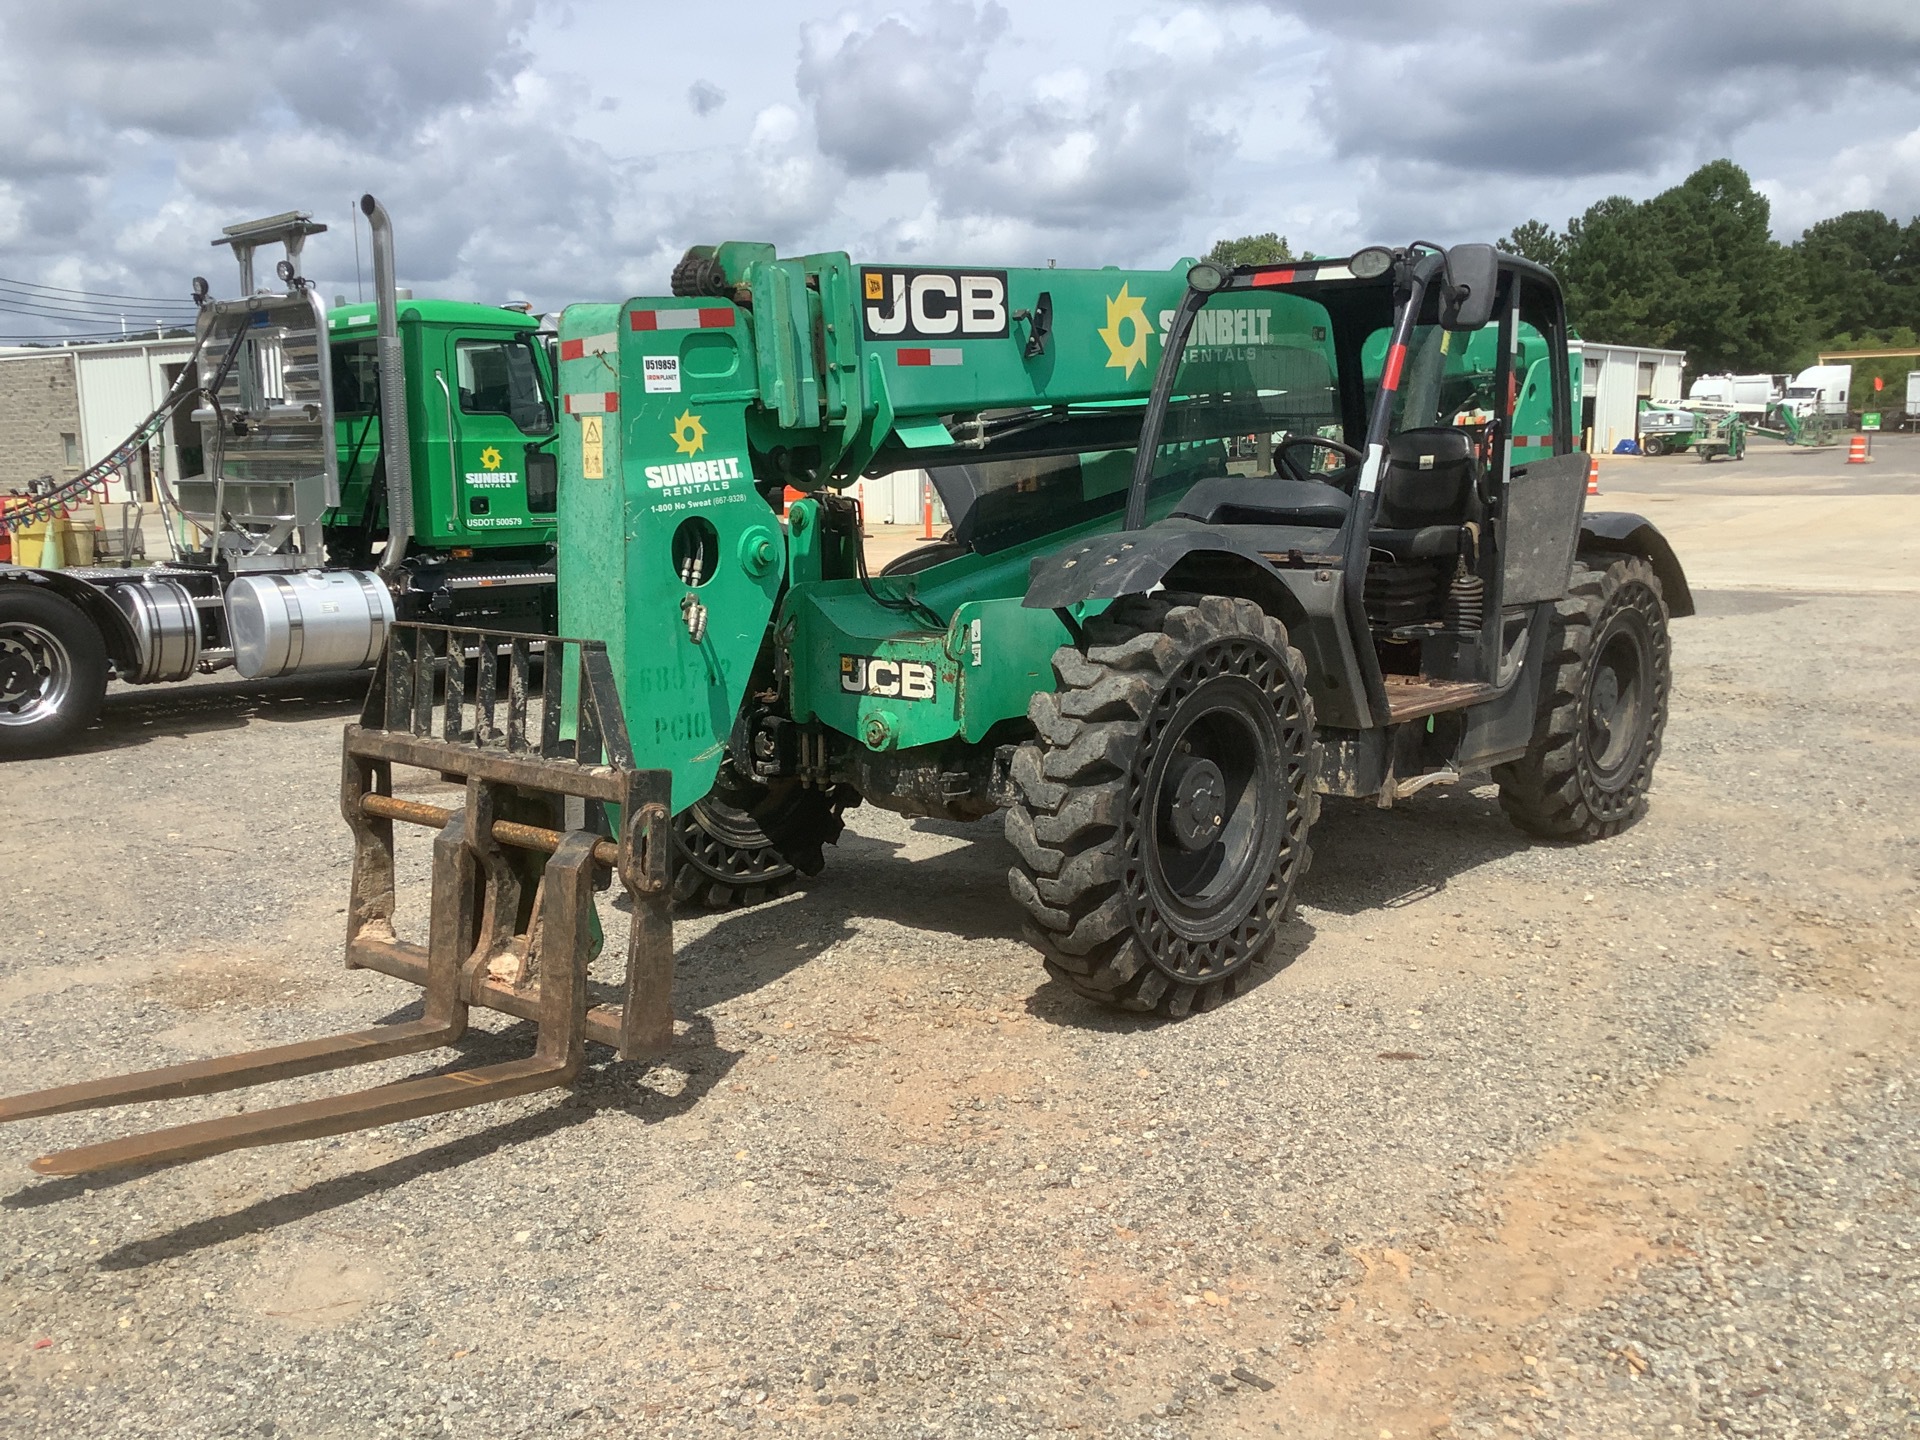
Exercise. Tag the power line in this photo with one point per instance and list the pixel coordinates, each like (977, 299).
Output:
(42, 306)
(93, 318)
(89, 294)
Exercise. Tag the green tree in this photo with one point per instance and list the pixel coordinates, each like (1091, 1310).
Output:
(1267, 249)
(1859, 272)
(1537, 241)
(1614, 274)
(1694, 268)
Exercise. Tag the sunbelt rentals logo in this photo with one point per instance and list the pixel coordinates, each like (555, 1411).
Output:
(1126, 331)
(692, 477)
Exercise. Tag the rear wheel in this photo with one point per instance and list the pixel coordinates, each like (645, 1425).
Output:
(722, 858)
(1602, 709)
(53, 671)
(1653, 445)
(1162, 810)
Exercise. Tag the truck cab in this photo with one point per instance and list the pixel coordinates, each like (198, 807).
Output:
(480, 430)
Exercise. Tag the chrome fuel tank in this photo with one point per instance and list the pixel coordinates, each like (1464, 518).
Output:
(291, 623)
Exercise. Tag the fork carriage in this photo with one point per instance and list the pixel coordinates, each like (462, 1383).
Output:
(506, 930)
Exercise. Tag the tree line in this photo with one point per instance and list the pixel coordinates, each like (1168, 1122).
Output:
(1696, 268)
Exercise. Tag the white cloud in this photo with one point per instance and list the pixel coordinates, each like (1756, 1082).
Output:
(566, 149)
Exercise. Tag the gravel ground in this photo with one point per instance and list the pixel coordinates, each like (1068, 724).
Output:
(1511, 1139)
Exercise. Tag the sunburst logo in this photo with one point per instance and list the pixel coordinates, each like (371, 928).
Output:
(1130, 311)
(489, 459)
(689, 435)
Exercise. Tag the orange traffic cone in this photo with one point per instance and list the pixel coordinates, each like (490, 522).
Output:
(1857, 452)
(1593, 477)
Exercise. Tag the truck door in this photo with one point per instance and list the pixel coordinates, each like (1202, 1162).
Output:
(500, 488)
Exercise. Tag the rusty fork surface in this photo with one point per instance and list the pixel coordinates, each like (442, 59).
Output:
(500, 935)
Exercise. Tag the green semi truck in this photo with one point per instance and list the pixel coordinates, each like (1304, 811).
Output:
(306, 535)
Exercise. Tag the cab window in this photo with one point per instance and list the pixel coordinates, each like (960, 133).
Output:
(356, 381)
(499, 377)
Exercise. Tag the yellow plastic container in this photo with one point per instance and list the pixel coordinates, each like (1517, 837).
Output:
(72, 544)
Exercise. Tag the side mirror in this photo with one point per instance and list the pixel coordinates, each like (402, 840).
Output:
(1471, 277)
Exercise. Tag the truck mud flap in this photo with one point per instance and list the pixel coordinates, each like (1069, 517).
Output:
(545, 774)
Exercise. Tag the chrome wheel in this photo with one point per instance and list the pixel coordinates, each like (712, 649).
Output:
(36, 674)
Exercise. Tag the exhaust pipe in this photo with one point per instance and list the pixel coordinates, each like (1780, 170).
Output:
(393, 392)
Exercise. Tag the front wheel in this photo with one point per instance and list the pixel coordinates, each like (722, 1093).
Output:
(53, 671)
(1653, 445)
(1162, 810)
(1602, 709)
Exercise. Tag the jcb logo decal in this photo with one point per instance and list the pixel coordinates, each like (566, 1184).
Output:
(894, 679)
(931, 304)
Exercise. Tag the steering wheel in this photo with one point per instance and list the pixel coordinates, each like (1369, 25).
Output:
(1283, 458)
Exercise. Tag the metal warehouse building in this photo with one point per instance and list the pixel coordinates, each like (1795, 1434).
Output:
(64, 407)
(1614, 379)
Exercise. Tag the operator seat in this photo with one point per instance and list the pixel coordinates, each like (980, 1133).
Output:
(1428, 494)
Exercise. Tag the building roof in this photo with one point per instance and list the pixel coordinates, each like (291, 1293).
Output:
(182, 343)
(1589, 347)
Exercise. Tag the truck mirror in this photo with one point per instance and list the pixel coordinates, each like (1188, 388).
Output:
(1466, 297)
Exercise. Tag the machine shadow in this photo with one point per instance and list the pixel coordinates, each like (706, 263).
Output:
(136, 715)
(960, 893)
(1366, 858)
(604, 1085)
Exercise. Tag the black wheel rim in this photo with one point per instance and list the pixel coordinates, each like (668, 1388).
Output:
(1217, 811)
(722, 841)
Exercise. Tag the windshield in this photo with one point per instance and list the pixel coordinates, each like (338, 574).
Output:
(1258, 369)
(1449, 376)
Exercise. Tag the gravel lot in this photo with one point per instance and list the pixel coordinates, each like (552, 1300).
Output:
(1512, 1139)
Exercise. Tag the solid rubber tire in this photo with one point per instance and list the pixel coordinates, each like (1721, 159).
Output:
(1556, 791)
(1069, 819)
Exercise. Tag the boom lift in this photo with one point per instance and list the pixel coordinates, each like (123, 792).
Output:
(1223, 542)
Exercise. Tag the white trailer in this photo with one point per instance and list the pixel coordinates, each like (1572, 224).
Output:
(1913, 394)
(1748, 395)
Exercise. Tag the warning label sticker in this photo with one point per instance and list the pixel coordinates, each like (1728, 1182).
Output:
(662, 374)
(593, 455)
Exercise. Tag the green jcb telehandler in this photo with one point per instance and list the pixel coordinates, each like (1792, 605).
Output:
(1222, 542)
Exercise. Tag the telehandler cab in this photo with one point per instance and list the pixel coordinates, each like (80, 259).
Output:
(1222, 542)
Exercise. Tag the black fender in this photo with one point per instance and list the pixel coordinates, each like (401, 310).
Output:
(1306, 598)
(1616, 532)
(123, 649)
(1130, 562)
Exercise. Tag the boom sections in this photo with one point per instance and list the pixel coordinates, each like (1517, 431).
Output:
(684, 419)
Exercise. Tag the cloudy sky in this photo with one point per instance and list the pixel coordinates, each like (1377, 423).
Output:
(554, 150)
